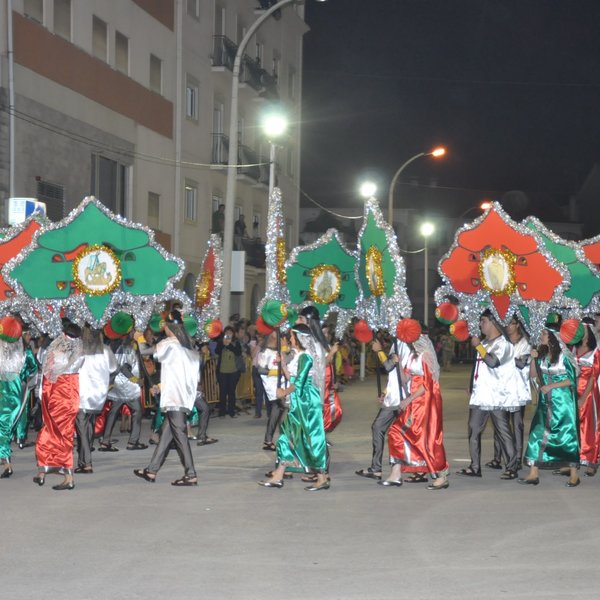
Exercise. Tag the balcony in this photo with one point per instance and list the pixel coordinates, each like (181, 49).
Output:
(255, 252)
(220, 149)
(224, 51)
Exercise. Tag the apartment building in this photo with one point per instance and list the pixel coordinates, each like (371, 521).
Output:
(129, 100)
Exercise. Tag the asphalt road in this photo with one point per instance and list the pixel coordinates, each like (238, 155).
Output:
(117, 537)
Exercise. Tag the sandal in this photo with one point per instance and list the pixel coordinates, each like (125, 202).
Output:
(369, 473)
(416, 478)
(136, 446)
(206, 442)
(509, 475)
(145, 474)
(285, 475)
(185, 481)
(469, 472)
(309, 478)
(107, 448)
(590, 471)
(494, 464)
(268, 446)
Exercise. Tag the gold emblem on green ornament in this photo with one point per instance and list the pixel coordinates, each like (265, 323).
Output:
(96, 271)
(325, 283)
(374, 271)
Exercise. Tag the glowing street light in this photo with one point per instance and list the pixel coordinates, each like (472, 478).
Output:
(436, 153)
(274, 124)
(368, 189)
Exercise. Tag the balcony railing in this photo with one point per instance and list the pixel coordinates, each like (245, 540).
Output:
(220, 149)
(224, 51)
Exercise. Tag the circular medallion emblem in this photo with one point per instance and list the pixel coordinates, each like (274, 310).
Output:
(204, 289)
(497, 272)
(96, 270)
(325, 283)
(374, 271)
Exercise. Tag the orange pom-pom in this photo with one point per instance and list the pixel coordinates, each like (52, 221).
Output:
(10, 329)
(408, 331)
(110, 333)
(362, 332)
(460, 331)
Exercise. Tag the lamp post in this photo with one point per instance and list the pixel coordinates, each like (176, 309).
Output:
(426, 230)
(274, 125)
(436, 153)
(232, 159)
(484, 205)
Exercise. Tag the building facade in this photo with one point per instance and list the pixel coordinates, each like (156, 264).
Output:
(129, 100)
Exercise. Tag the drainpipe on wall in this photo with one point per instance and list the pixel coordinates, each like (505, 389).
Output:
(178, 126)
(11, 100)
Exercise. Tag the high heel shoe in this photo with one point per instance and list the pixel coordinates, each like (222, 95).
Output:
(6, 473)
(39, 480)
(272, 484)
(65, 485)
(444, 485)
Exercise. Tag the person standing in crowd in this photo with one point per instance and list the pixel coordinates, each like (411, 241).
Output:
(588, 363)
(125, 391)
(267, 363)
(301, 445)
(416, 439)
(554, 433)
(518, 338)
(390, 405)
(60, 405)
(218, 220)
(447, 351)
(332, 406)
(179, 376)
(229, 353)
(12, 365)
(28, 382)
(201, 404)
(94, 378)
(257, 345)
(493, 394)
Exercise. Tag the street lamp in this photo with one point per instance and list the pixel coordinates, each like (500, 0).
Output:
(367, 189)
(484, 205)
(232, 159)
(426, 230)
(436, 153)
(274, 125)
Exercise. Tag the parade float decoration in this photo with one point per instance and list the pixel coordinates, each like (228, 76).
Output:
(499, 264)
(275, 252)
(362, 332)
(207, 290)
(380, 272)
(91, 265)
(408, 330)
(323, 274)
(584, 286)
(13, 241)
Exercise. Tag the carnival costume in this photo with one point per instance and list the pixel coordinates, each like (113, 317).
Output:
(332, 407)
(554, 434)
(60, 404)
(267, 367)
(589, 369)
(301, 445)
(416, 439)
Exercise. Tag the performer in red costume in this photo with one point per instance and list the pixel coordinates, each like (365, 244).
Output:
(60, 405)
(416, 439)
(332, 407)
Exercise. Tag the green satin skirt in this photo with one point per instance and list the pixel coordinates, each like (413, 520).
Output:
(301, 445)
(554, 435)
(10, 403)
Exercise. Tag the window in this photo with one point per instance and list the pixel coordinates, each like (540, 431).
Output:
(292, 83)
(190, 209)
(256, 225)
(219, 20)
(240, 30)
(217, 200)
(34, 9)
(155, 74)
(109, 183)
(276, 61)
(259, 52)
(153, 210)
(62, 18)
(54, 196)
(122, 53)
(191, 98)
(99, 39)
(193, 8)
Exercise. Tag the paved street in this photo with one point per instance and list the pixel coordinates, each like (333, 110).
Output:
(116, 536)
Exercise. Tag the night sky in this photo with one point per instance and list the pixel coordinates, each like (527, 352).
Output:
(511, 88)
